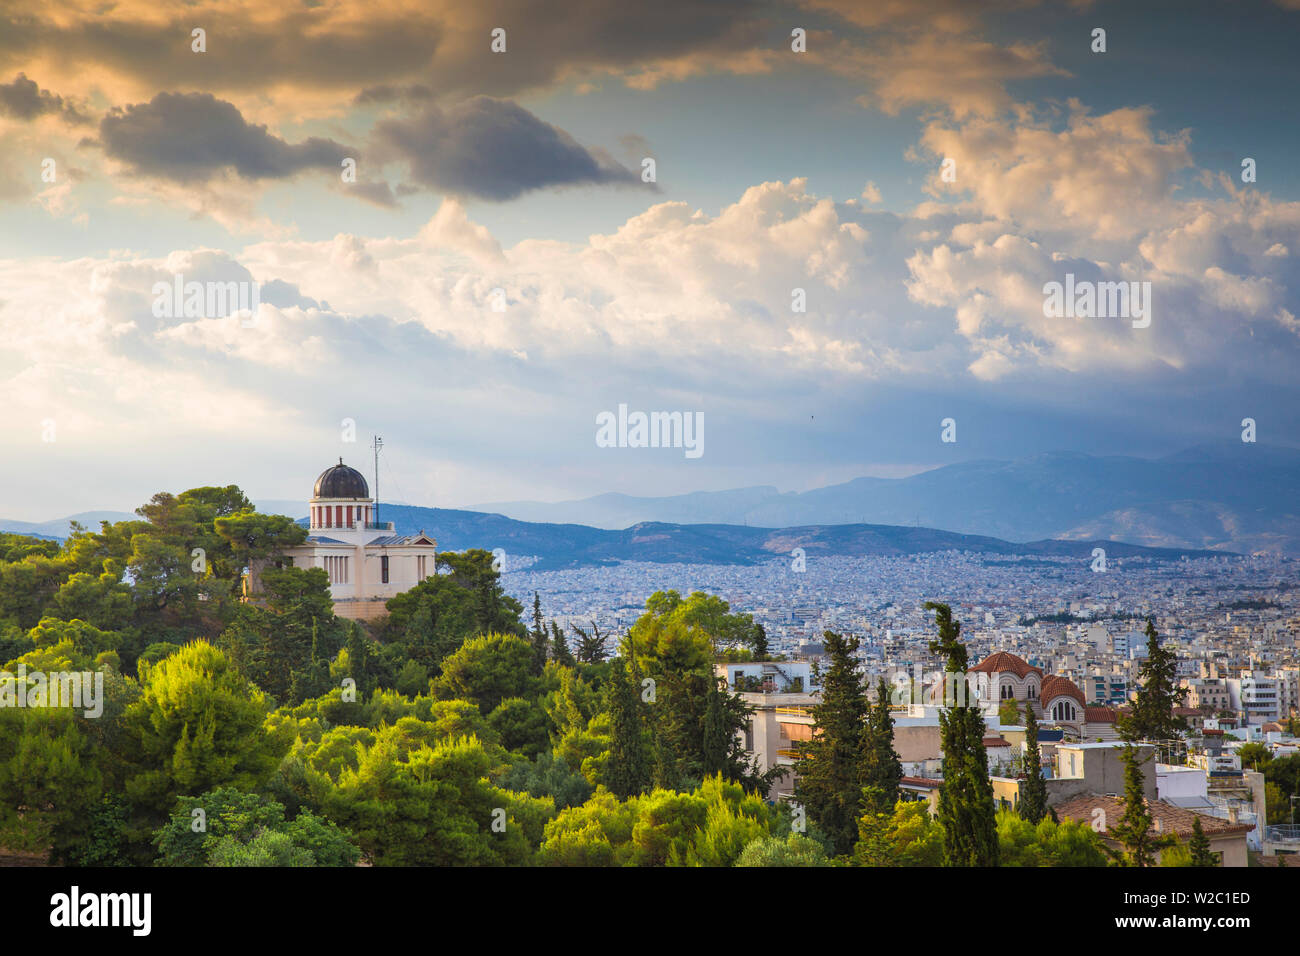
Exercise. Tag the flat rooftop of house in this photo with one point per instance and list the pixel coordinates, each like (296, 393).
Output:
(781, 700)
(1097, 745)
(1190, 803)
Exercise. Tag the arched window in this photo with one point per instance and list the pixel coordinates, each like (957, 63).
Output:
(1008, 692)
(1063, 710)
(1033, 691)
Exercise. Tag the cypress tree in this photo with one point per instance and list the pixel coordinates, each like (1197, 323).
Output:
(717, 742)
(1033, 792)
(882, 768)
(1158, 694)
(966, 810)
(1200, 845)
(627, 772)
(830, 773)
(360, 662)
(538, 637)
(1134, 828)
(559, 649)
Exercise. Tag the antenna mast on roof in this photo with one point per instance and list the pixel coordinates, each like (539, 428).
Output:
(377, 443)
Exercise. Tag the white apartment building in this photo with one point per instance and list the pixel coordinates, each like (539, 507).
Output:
(1256, 695)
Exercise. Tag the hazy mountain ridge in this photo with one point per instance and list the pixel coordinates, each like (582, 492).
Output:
(61, 527)
(1220, 497)
(1230, 496)
(574, 545)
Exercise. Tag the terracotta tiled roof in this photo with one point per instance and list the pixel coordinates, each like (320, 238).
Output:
(996, 742)
(1171, 819)
(1099, 715)
(1002, 662)
(1054, 686)
(921, 782)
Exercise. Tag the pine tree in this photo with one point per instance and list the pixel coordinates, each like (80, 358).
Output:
(591, 648)
(1134, 828)
(966, 807)
(1033, 792)
(559, 649)
(830, 773)
(1200, 845)
(760, 643)
(627, 772)
(882, 768)
(1158, 693)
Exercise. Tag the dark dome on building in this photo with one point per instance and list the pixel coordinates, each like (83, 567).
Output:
(340, 481)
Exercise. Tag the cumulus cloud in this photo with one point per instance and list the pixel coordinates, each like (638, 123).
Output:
(967, 75)
(1103, 178)
(452, 229)
(676, 307)
(493, 149)
(23, 99)
(189, 137)
(1099, 197)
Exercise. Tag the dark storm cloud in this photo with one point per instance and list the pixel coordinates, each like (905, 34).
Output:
(23, 99)
(493, 149)
(191, 137)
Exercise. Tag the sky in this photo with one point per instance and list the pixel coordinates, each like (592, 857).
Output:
(921, 169)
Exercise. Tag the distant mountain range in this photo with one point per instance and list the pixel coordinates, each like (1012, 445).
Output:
(1214, 498)
(1231, 496)
(573, 545)
(61, 527)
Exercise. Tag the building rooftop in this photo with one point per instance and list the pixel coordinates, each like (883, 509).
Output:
(1167, 817)
(341, 481)
(1002, 662)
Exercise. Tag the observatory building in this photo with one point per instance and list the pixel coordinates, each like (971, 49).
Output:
(366, 561)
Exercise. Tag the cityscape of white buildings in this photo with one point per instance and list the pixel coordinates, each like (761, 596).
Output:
(1233, 623)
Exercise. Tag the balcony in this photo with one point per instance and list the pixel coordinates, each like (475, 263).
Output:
(1283, 833)
(378, 526)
